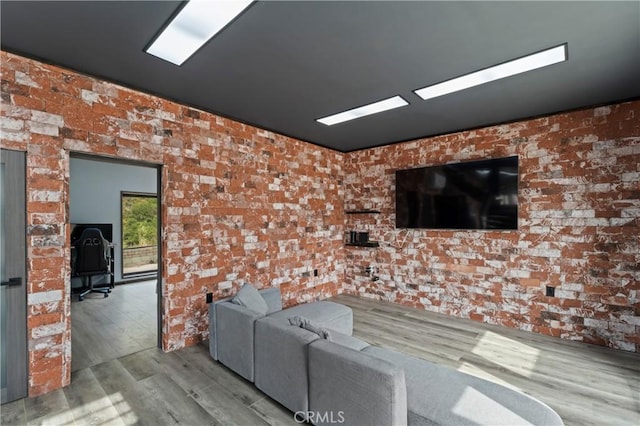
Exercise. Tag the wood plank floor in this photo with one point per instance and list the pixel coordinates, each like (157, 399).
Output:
(104, 329)
(586, 385)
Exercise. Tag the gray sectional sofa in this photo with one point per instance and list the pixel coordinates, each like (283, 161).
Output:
(232, 325)
(305, 358)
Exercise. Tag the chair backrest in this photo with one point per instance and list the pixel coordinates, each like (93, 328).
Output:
(92, 252)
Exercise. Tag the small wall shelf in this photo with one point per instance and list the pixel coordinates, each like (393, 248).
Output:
(362, 211)
(372, 244)
(367, 244)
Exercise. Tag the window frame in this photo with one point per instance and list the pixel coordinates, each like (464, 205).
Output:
(144, 274)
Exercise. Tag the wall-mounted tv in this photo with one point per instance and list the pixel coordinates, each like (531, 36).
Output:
(470, 195)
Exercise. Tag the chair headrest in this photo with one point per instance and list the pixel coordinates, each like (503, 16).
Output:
(91, 233)
(90, 237)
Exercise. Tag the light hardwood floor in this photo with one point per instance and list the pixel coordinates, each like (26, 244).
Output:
(104, 329)
(586, 385)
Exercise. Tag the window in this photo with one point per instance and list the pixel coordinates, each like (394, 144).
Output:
(139, 233)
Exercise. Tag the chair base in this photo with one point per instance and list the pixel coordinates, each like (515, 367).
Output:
(89, 289)
(105, 291)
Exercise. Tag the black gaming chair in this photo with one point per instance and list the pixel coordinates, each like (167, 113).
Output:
(92, 258)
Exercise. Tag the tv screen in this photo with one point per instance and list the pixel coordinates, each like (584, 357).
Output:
(471, 195)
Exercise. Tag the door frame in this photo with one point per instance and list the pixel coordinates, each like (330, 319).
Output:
(17, 354)
(159, 172)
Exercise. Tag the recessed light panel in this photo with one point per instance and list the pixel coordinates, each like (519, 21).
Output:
(507, 69)
(193, 26)
(374, 108)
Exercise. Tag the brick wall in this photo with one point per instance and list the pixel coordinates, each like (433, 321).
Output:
(243, 204)
(238, 203)
(579, 229)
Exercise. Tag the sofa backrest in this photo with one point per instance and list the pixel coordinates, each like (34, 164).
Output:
(351, 387)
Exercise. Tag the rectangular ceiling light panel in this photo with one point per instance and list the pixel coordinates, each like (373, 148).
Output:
(507, 69)
(374, 108)
(193, 26)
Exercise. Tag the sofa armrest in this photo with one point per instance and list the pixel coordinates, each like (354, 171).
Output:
(235, 337)
(270, 295)
(354, 387)
(213, 333)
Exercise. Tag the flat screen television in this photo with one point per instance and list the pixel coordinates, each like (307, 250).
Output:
(470, 195)
(105, 228)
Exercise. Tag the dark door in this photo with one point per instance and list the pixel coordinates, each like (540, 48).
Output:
(13, 295)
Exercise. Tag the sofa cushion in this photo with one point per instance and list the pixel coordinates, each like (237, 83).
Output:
(250, 298)
(441, 395)
(272, 296)
(348, 341)
(333, 316)
(309, 326)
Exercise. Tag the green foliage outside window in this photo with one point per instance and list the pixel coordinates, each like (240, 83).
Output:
(139, 221)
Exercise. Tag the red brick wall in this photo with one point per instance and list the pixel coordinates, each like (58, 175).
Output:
(579, 229)
(238, 203)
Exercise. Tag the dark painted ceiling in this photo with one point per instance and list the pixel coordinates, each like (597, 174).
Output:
(281, 65)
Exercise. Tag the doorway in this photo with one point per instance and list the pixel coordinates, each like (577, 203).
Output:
(107, 328)
(13, 294)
